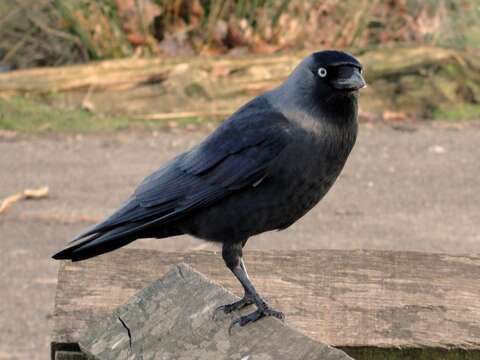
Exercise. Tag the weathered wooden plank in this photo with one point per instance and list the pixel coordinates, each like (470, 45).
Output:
(173, 319)
(355, 299)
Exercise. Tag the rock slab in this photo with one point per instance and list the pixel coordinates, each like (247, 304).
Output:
(173, 318)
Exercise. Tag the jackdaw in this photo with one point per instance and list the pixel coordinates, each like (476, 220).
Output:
(263, 169)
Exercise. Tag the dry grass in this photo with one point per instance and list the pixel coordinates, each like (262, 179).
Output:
(53, 32)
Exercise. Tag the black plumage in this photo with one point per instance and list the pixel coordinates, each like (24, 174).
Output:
(261, 170)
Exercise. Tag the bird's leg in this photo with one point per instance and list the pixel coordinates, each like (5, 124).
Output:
(232, 255)
(243, 302)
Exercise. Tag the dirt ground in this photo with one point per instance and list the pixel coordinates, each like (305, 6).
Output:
(413, 187)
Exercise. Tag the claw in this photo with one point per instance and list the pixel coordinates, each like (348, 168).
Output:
(254, 316)
(237, 305)
(234, 322)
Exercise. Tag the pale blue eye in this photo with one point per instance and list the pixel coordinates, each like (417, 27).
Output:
(322, 72)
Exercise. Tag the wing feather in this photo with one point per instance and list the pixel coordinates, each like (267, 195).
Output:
(236, 155)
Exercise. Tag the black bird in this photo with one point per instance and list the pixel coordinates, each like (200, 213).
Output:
(262, 169)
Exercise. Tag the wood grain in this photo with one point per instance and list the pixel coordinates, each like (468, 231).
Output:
(172, 318)
(351, 299)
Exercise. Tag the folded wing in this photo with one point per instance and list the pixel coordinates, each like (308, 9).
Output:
(237, 155)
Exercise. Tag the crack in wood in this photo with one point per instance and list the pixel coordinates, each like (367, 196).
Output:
(124, 324)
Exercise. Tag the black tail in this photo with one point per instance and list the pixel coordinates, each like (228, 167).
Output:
(103, 242)
(96, 244)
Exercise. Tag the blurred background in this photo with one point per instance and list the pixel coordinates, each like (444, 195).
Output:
(94, 95)
(52, 33)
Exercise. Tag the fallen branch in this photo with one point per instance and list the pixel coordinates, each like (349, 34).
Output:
(418, 81)
(39, 193)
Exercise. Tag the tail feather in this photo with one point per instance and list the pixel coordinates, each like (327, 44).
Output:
(66, 252)
(116, 219)
(97, 244)
(107, 241)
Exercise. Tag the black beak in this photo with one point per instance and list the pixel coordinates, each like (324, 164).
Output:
(349, 79)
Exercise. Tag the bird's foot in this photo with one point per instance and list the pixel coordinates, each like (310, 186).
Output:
(237, 305)
(256, 315)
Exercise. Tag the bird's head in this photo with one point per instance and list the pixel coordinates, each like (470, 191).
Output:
(328, 72)
(335, 72)
(325, 81)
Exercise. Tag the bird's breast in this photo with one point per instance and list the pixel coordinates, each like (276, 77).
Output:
(317, 160)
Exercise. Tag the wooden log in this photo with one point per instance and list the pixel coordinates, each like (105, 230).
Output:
(413, 80)
(173, 318)
(366, 302)
(133, 72)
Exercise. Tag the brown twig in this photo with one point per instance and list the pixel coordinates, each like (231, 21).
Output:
(38, 193)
